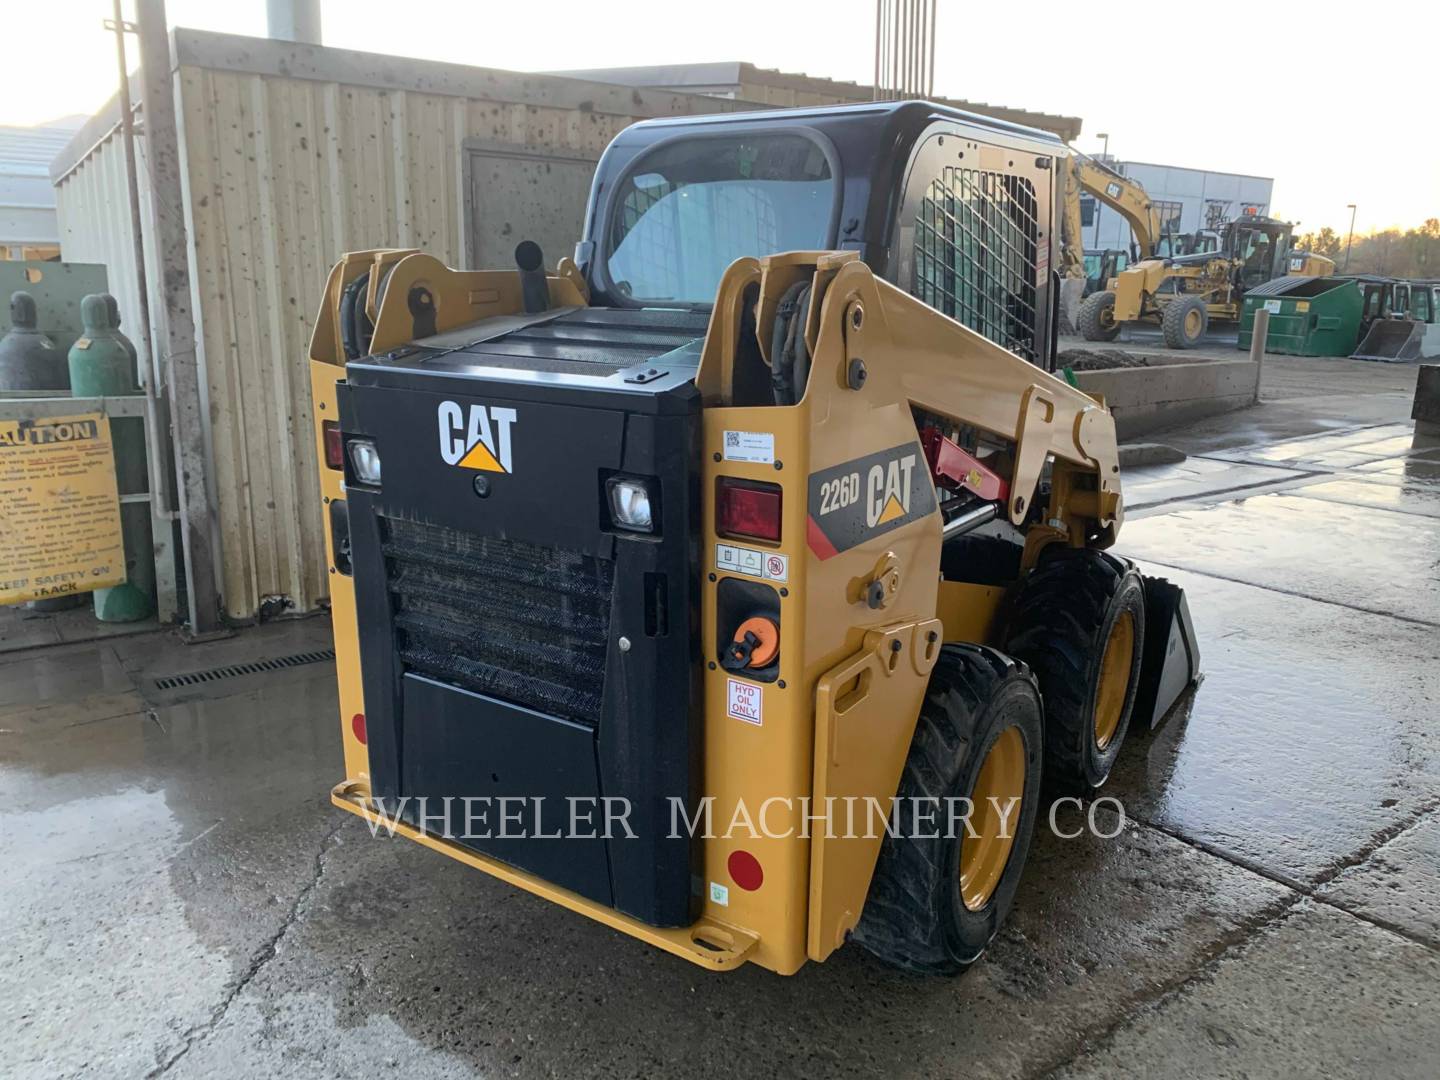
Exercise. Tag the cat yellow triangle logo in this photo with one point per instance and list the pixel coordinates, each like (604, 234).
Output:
(892, 510)
(481, 458)
(478, 440)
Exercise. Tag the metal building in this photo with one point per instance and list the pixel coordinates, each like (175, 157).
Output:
(764, 86)
(290, 155)
(1188, 199)
(28, 229)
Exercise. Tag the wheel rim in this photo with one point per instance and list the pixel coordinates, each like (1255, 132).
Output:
(1107, 317)
(995, 814)
(1192, 323)
(1114, 679)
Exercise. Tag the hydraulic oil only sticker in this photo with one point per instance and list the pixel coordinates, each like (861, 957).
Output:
(756, 447)
(743, 701)
(867, 497)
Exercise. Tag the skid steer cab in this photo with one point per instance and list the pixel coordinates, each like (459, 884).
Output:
(742, 583)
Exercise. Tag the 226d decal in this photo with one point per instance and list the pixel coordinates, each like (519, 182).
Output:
(867, 497)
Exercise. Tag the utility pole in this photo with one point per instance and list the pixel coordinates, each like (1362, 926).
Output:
(1349, 239)
(1105, 157)
(174, 341)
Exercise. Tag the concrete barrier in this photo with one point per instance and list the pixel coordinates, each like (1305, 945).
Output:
(1145, 399)
(1426, 411)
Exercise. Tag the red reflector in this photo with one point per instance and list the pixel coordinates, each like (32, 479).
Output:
(744, 508)
(334, 445)
(745, 870)
(357, 725)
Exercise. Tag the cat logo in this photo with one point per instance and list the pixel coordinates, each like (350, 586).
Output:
(482, 443)
(887, 488)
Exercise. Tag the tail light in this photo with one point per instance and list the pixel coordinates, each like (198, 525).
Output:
(747, 509)
(334, 445)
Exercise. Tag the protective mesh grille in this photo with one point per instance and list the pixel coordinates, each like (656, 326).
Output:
(522, 623)
(976, 242)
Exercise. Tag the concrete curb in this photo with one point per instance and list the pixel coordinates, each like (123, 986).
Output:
(1133, 455)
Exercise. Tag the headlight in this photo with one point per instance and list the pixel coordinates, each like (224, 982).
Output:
(630, 505)
(365, 460)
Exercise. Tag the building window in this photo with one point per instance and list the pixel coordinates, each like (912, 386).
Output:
(1217, 213)
(1087, 212)
(976, 244)
(1169, 213)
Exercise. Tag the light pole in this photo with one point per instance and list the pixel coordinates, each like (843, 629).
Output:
(1105, 155)
(1351, 238)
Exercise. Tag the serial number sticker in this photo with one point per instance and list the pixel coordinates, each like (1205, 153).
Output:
(761, 564)
(719, 894)
(756, 447)
(743, 701)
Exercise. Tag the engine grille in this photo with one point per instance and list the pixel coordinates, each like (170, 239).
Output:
(525, 624)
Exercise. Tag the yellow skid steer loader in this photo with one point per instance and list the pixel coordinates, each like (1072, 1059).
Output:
(742, 582)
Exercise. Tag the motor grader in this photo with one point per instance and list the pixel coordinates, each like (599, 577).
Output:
(1183, 294)
(658, 576)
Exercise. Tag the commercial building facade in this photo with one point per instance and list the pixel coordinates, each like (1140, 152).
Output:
(1188, 200)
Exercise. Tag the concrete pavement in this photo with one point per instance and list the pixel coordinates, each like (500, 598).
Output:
(181, 899)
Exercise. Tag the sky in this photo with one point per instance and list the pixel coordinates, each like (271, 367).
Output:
(1337, 106)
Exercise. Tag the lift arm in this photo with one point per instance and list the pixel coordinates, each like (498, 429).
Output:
(1124, 196)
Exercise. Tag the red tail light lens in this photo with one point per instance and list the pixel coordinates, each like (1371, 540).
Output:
(744, 508)
(334, 445)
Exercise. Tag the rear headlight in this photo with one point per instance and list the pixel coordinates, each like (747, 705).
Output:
(365, 460)
(747, 509)
(631, 506)
(334, 445)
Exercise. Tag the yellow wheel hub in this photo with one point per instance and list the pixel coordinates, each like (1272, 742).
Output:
(994, 817)
(1114, 679)
(1192, 323)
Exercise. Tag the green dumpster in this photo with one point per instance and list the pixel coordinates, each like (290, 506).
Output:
(1309, 316)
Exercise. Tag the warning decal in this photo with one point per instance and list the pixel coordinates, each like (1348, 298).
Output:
(743, 701)
(60, 506)
(871, 495)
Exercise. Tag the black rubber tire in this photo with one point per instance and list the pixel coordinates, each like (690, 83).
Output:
(1172, 322)
(1059, 623)
(1093, 323)
(981, 560)
(914, 917)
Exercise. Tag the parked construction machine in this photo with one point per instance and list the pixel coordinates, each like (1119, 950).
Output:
(1400, 321)
(1183, 294)
(762, 515)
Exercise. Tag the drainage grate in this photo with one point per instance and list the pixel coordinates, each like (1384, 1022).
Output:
(194, 678)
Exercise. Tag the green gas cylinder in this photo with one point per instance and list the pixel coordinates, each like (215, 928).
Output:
(102, 364)
(30, 363)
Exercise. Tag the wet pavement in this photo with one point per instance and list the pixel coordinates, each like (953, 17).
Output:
(180, 898)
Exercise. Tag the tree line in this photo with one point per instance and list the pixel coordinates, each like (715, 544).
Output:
(1414, 253)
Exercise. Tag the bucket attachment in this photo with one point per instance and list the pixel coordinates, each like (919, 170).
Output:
(1399, 340)
(1170, 662)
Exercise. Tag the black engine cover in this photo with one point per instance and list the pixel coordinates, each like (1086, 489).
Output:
(514, 643)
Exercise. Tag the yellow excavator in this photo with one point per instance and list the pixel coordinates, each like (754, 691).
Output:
(743, 582)
(1180, 291)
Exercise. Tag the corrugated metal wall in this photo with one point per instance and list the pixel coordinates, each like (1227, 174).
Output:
(285, 175)
(285, 170)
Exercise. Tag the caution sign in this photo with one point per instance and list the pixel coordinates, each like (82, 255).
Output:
(60, 507)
